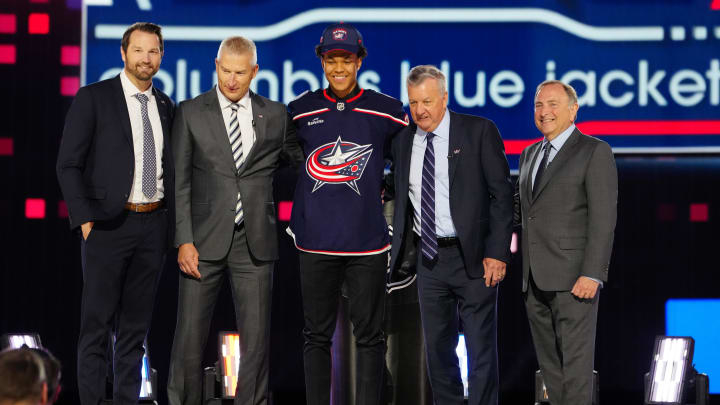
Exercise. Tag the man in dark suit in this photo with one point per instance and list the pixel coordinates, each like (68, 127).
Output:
(227, 143)
(567, 192)
(116, 174)
(454, 200)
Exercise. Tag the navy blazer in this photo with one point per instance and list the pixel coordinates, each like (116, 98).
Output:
(481, 192)
(96, 160)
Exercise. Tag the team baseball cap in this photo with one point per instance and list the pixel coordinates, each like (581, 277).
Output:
(340, 37)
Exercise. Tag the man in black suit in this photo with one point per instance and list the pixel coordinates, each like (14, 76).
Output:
(227, 143)
(454, 201)
(116, 174)
(567, 191)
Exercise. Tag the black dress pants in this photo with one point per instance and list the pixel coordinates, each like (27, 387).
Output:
(322, 277)
(122, 260)
(448, 295)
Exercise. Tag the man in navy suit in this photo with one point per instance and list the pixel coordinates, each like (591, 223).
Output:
(116, 174)
(454, 201)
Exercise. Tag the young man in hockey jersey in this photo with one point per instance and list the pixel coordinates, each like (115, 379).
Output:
(337, 220)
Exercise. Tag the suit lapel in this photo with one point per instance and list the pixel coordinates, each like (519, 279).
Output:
(406, 147)
(259, 126)
(532, 157)
(121, 106)
(557, 163)
(216, 124)
(455, 132)
(163, 112)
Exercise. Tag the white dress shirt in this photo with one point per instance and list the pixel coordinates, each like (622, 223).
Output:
(245, 118)
(136, 124)
(444, 226)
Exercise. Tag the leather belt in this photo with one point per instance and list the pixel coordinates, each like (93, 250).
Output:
(442, 242)
(143, 207)
(446, 242)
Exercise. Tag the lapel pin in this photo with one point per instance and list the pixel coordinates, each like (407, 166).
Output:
(260, 116)
(456, 151)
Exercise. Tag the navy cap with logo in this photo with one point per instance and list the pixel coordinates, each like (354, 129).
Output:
(341, 37)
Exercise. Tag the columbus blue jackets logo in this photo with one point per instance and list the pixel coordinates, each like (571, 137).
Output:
(338, 162)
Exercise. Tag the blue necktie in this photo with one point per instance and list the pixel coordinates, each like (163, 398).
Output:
(237, 152)
(149, 172)
(428, 236)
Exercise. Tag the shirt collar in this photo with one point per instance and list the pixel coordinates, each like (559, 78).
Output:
(355, 91)
(560, 140)
(129, 88)
(443, 128)
(225, 102)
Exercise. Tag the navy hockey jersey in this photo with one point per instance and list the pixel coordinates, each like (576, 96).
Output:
(337, 207)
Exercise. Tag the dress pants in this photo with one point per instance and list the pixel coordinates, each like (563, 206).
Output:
(122, 260)
(563, 329)
(321, 278)
(251, 285)
(445, 291)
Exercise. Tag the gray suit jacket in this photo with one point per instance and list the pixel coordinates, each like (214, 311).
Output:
(568, 226)
(207, 182)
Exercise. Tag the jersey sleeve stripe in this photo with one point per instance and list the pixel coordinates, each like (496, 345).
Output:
(322, 110)
(380, 114)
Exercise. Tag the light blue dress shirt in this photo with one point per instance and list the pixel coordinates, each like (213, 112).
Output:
(555, 146)
(441, 143)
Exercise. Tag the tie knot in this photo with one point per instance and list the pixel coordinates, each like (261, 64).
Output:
(547, 146)
(142, 98)
(234, 107)
(430, 136)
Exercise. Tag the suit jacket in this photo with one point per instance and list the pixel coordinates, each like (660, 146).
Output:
(207, 181)
(481, 193)
(96, 160)
(568, 225)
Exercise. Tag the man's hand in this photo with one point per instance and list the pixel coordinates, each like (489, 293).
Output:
(85, 228)
(188, 260)
(585, 288)
(494, 271)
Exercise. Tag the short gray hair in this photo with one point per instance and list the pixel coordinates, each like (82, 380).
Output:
(569, 90)
(237, 46)
(419, 74)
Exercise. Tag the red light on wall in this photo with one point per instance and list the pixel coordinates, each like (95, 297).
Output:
(284, 210)
(62, 209)
(69, 85)
(699, 212)
(715, 5)
(6, 147)
(34, 208)
(70, 55)
(8, 24)
(7, 54)
(38, 23)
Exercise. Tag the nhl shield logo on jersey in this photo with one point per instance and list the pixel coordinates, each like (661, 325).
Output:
(338, 162)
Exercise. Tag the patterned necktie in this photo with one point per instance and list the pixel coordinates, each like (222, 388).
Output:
(428, 236)
(237, 152)
(149, 172)
(543, 165)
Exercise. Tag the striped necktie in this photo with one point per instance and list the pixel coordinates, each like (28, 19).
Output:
(149, 171)
(428, 236)
(237, 152)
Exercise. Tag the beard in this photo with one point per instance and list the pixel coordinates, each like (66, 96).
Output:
(144, 74)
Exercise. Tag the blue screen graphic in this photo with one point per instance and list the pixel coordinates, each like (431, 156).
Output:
(647, 73)
(700, 319)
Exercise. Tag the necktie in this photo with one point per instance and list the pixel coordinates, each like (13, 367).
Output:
(543, 165)
(149, 172)
(237, 152)
(428, 236)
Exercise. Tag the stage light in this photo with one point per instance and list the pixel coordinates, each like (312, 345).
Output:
(671, 362)
(148, 382)
(18, 340)
(229, 358)
(461, 351)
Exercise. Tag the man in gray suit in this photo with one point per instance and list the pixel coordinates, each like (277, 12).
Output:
(227, 143)
(567, 193)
